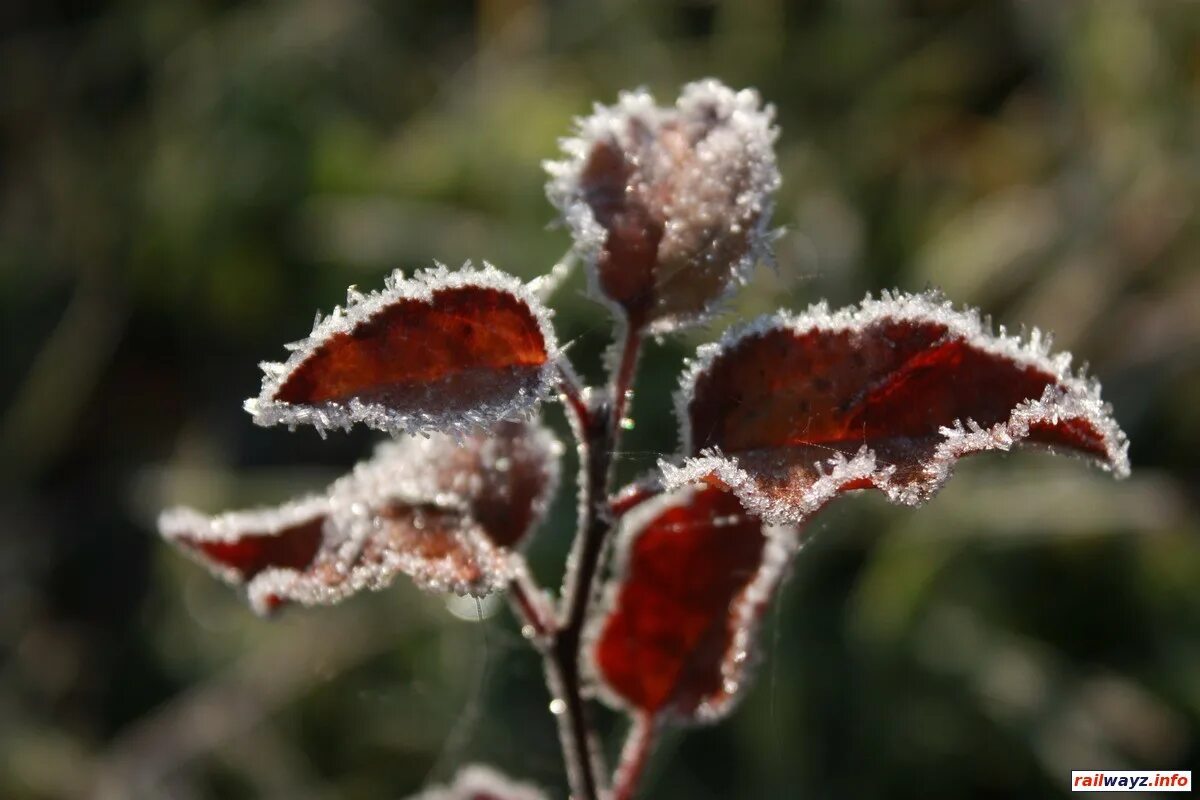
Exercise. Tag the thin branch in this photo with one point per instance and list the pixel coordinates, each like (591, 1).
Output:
(602, 437)
(597, 423)
(530, 606)
(621, 381)
(635, 754)
(595, 461)
(574, 395)
(582, 754)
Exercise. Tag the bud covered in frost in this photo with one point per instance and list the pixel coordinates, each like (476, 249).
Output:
(670, 207)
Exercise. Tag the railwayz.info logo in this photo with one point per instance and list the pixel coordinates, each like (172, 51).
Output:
(1128, 781)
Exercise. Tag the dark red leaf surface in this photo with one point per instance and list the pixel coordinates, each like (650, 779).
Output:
(793, 409)
(510, 476)
(670, 206)
(443, 350)
(447, 515)
(441, 549)
(293, 547)
(625, 267)
(694, 575)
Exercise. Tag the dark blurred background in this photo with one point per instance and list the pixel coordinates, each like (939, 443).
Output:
(182, 184)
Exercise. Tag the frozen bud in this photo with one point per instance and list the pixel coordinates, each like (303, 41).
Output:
(670, 207)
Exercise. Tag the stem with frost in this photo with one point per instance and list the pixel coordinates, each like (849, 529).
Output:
(596, 421)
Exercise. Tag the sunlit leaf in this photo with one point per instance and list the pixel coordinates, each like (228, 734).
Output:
(793, 409)
(670, 207)
(693, 577)
(441, 351)
(447, 515)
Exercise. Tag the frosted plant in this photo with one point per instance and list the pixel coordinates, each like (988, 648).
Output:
(669, 209)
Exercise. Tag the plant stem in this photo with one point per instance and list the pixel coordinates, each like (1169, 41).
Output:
(597, 422)
(621, 382)
(639, 743)
(579, 746)
(574, 396)
(530, 606)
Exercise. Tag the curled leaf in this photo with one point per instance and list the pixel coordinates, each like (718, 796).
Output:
(479, 782)
(694, 575)
(240, 545)
(441, 351)
(448, 516)
(509, 476)
(670, 207)
(790, 410)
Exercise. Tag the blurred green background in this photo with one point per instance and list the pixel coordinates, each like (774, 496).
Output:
(182, 184)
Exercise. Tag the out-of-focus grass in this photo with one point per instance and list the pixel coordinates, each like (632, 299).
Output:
(182, 184)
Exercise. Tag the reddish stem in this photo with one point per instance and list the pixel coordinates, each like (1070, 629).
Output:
(574, 396)
(621, 382)
(563, 659)
(597, 426)
(530, 606)
(635, 754)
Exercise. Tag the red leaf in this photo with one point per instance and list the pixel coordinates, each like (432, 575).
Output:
(449, 516)
(793, 409)
(478, 782)
(670, 206)
(510, 476)
(241, 545)
(441, 351)
(694, 575)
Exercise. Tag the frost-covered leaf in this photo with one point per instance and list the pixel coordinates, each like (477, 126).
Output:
(506, 478)
(670, 207)
(240, 545)
(790, 410)
(479, 782)
(441, 351)
(694, 573)
(448, 515)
